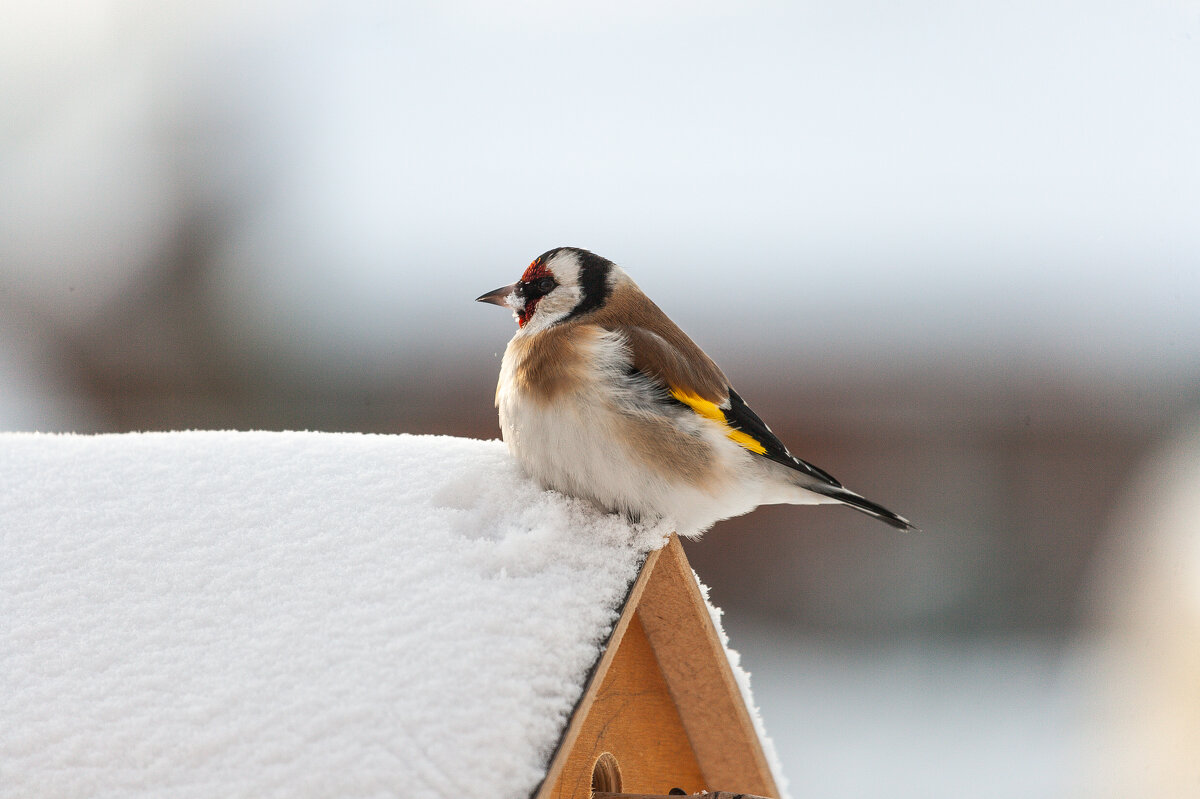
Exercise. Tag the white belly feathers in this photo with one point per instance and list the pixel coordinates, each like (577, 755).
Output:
(579, 423)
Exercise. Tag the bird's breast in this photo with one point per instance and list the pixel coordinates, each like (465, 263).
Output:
(557, 364)
(578, 422)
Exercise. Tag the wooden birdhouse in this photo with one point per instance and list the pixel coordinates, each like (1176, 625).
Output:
(248, 614)
(662, 710)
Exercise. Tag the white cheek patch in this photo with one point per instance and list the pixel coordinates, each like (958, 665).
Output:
(559, 303)
(554, 307)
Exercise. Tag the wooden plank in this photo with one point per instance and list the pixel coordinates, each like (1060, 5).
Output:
(698, 675)
(666, 611)
(567, 744)
(708, 795)
(634, 719)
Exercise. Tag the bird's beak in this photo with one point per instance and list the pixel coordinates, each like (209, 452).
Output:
(498, 296)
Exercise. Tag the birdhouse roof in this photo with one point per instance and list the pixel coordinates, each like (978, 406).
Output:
(244, 614)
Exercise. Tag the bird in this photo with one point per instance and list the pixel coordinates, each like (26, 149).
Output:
(604, 398)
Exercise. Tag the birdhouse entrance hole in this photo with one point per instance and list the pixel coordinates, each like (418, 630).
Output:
(606, 775)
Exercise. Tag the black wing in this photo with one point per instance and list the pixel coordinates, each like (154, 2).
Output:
(739, 416)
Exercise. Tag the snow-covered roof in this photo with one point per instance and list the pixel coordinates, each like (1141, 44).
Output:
(301, 614)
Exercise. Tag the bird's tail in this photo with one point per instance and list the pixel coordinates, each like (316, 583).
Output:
(863, 505)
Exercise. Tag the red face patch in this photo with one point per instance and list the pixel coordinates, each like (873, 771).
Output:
(535, 271)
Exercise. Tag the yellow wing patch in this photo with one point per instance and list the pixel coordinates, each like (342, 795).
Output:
(710, 410)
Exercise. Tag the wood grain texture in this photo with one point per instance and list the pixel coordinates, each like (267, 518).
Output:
(701, 682)
(709, 795)
(634, 718)
(662, 699)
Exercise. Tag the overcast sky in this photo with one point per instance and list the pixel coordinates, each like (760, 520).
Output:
(918, 178)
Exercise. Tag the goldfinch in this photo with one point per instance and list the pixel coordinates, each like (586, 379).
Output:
(603, 397)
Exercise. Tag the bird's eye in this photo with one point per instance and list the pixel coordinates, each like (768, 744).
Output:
(545, 285)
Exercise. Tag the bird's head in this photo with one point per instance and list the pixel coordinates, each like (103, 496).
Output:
(561, 284)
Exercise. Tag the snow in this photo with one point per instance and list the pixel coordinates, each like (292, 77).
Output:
(301, 614)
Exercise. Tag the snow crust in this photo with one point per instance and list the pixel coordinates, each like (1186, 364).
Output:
(292, 614)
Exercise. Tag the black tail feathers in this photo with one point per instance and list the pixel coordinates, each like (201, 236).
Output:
(864, 505)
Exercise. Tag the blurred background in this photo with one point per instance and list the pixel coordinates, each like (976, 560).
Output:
(951, 253)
